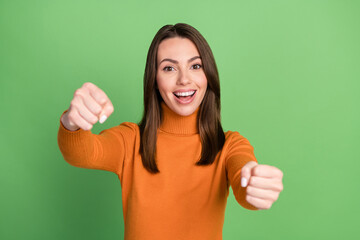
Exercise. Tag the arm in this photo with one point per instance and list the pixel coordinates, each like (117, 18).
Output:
(240, 152)
(84, 149)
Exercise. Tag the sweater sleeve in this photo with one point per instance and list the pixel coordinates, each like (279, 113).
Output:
(106, 151)
(239, 153)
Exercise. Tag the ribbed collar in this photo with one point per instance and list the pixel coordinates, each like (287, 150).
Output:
(177, 124)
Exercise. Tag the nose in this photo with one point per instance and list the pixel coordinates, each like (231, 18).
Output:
(183, 78)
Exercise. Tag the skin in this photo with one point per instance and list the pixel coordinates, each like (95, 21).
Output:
(263, 182)
(89, 105)
(186, 74)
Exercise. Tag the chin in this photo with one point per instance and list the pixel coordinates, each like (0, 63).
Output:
(186, 111)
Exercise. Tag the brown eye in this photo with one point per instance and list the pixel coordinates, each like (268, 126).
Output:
(167, 68)
(196, 66)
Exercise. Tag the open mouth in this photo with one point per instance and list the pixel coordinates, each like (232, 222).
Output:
(185, 95)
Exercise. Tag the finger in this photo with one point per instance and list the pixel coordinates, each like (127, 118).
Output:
(99, 95)
(262, 193)
(108, 109)
(84, 111)
(258, 202)
(266, 171)
(75, 117)
(246, 172)
(266, 183)
(101, 98)
(93, 106)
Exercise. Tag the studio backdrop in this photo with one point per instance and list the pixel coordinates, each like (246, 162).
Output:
(289, 74)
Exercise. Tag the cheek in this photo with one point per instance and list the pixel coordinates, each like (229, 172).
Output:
(202, 85)
(203, 82)
(162, 84)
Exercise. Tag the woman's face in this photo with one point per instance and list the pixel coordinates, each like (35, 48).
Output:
(180, 77)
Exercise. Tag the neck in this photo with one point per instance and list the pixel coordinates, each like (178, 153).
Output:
(177, 124)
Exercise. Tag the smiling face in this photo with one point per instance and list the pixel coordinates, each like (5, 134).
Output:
(180, 77)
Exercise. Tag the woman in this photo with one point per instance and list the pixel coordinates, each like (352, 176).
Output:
(176, 166)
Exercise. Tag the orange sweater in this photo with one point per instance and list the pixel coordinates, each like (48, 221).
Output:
(183, 201)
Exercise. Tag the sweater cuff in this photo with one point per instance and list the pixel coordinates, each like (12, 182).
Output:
(68, 140)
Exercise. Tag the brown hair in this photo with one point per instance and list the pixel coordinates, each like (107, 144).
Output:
(208, 120)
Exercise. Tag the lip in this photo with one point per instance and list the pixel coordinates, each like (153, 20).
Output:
(184, 90)
(181, 101)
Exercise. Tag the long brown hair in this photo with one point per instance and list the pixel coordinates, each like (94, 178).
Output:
(208, 119)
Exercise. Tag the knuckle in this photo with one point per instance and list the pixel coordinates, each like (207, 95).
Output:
(281, 188)
(87, 84)
(97, 110)
(249, 190)
(252, 181)
(73, 102)
(111, 109)
(93, 120)
(102, 100)
(256, 170)
(268, 205)
(78, 92)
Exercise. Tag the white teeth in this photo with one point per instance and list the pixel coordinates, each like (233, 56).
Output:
(184, 94)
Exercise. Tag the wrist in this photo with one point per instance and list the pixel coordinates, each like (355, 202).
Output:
(65, 122)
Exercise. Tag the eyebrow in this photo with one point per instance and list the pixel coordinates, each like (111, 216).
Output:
(176, 62)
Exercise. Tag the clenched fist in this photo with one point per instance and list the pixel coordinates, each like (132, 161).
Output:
(263, 184)
(89, 105)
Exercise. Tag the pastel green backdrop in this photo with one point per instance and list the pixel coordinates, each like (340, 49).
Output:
(289, 73)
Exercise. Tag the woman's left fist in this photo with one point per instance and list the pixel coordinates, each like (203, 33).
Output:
(263, 182)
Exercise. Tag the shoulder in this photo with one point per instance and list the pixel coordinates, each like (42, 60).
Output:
(233, 136)
(130, 126)
(235, 143)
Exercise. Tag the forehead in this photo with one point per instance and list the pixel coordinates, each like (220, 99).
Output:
(177, 48)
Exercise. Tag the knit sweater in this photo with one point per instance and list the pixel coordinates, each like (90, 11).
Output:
(183, 201)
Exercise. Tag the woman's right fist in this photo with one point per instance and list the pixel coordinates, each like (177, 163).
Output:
(89, 105)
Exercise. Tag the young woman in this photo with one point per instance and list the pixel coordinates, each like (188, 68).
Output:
(176, 166)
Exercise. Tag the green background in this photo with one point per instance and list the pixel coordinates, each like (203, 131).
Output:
(289, 73)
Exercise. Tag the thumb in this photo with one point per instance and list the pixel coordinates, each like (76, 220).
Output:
(246, 173)
(108, 109)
